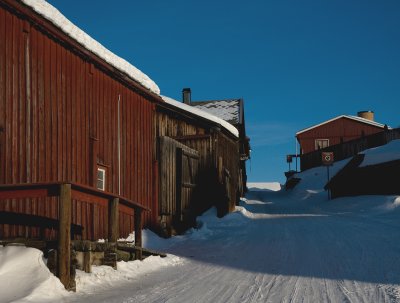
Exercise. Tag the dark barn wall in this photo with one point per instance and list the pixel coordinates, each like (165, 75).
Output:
(379, 179)
(340, 130)
(228, 151)
(59, 118)
(211, 145)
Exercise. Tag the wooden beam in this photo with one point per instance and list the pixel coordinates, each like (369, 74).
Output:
(20, 193)
(179, 179)
(138, 233)
(14, 218)
(191, 137)
(145, 251)
(113, 220)
(64, 235)
(220, 168)
(52, 189)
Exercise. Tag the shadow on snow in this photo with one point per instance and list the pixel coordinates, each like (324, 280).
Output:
(273, 239)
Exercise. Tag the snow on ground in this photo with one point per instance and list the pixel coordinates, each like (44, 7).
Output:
(24, 277)
(278, 246)
(381, 154)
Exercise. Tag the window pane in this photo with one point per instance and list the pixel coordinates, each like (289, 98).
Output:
(321, 143)
(101, 177)
(100, 174)
(100, 184)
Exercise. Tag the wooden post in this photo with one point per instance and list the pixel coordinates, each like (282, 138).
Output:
(113, 220)
(64, 235)
(178, 195)
(155, 211)
(87, 265)
(138, 233)
(220, 168)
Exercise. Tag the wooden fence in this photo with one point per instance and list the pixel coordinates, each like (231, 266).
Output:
(64, 193)
(349, 149)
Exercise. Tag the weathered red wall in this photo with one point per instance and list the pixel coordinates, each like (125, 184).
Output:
(343, 128)
(58, 117)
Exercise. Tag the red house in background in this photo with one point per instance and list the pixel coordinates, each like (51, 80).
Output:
(338, 130)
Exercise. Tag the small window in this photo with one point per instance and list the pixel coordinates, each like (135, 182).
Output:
(321, 143)
(101, 178)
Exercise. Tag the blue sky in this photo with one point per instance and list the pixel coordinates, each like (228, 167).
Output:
(295, 63)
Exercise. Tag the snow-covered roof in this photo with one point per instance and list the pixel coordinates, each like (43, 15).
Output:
(228, 110)
(381, 154)
(355, 118)
(202, 114)
(49, 12)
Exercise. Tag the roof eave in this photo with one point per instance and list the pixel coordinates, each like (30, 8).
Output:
(372, 123)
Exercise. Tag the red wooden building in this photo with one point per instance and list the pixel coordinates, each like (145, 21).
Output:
(344, 135)
(71, 113)
(89, 149)
(338, 130)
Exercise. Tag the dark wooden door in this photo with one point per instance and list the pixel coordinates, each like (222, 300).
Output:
(187, 167)
(179, 167)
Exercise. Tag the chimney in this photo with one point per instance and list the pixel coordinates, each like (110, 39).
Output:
(186, 96)
(366, 114)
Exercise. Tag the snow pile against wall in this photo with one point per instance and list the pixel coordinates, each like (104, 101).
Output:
(25, 277)
(381, 154)
(54, 16)
(127, 272)
(316, 178)
(203, 114)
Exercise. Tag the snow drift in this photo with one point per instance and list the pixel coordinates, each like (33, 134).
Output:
(25, 277)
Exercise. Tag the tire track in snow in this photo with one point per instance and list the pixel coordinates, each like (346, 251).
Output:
(335, 258)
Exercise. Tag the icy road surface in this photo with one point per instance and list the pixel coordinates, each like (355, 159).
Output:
(279, 247)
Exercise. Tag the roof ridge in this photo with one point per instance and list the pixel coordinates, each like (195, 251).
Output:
(217, 100)
(355, 118)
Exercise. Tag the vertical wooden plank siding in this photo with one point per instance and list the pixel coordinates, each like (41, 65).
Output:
(64, 241)
(58, 120)
(210, 145)
(3, 167)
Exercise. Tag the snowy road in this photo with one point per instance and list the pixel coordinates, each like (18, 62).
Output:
(277, 249)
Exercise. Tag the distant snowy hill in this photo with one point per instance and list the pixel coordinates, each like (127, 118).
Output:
(274, 186)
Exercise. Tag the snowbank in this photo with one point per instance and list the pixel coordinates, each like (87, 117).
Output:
(107, 277)
(25, 277)
(382, 154)
(54, 16)
(149, 240)
(316, 178)
(203, 114)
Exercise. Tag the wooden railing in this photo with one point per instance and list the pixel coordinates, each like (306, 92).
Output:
(66, 192)
(349, 148)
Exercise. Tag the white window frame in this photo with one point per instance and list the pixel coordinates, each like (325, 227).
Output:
(316, 145)
(104, 171)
